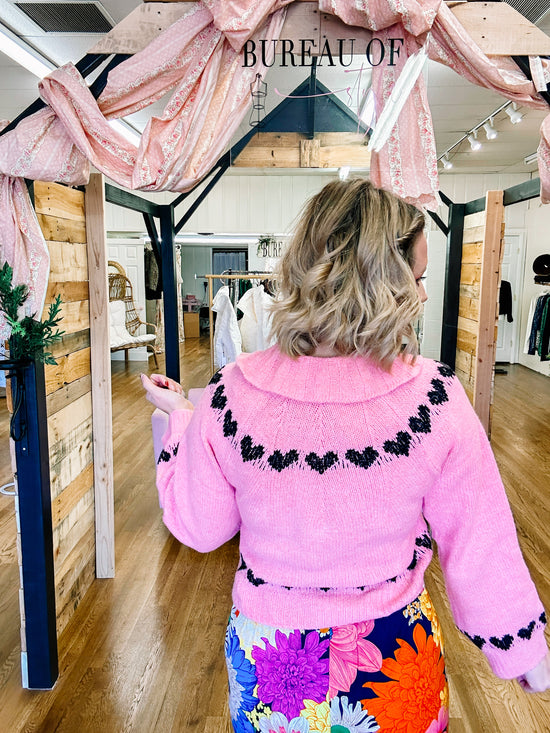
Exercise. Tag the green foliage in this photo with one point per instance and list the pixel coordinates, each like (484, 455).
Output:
(29, 337)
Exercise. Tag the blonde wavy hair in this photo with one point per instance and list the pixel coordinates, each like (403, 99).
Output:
(345, 280)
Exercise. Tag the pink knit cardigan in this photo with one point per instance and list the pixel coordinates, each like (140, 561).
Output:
(338, 475)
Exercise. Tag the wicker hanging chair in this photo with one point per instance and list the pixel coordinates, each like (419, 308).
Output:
(124, 318)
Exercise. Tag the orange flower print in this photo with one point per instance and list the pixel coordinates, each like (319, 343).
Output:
(411, 702)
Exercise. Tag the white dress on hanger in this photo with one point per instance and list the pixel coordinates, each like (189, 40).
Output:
(255, 325)
(227, 337)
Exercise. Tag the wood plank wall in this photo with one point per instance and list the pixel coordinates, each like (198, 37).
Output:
(61, 214)
(482, 250)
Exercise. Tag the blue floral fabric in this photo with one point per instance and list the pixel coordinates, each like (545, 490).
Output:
(382, 675)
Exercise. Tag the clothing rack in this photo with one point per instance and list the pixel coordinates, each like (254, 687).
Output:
(250, 275)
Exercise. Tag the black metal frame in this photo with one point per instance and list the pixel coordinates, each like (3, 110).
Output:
(513, 195)
(39, 662)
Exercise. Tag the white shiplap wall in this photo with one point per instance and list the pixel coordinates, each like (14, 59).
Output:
(244, 203)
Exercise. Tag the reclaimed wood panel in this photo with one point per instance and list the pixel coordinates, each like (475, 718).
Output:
(294, 150)
(58, 201)
(63, 504)
(71, 342)
(68, 262)
(478, 303)
(69, 393)
(62, 230)
(68, 369)
(61, 212)
(68, 291)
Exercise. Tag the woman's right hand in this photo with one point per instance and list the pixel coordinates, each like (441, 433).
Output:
(538, 678)
(165, 393)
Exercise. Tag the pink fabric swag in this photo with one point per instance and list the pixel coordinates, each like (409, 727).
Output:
(198, 60)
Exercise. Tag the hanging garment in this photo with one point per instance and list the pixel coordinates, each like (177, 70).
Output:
(505, 300)
(153, 284)
(534, 333)
(255, 325)
(544, 339)
(227, 337)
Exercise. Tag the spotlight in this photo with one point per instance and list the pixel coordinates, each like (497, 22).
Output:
(474, 142)
(343, 172)
(446, 163)
(490, 130)
(514, 114)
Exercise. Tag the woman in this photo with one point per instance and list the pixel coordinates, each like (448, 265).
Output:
(339, 454)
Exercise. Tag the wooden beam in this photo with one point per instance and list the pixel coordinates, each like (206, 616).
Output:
(293, 150)
(500, 30)
(101, 382)
(493, 247)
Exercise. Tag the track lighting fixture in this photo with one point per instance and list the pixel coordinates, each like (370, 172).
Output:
(514, 114)
(343, 172)
(490, 130)
(446, 163)
(474, 142)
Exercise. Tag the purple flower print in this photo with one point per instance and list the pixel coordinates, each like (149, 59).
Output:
(291, 671)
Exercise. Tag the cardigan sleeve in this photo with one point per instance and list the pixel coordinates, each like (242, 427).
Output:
(492, 597)
(199, 506)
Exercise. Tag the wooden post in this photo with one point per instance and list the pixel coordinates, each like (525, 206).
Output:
(102, 418)
(488, 310)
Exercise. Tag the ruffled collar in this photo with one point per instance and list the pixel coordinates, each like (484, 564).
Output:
(342, 379)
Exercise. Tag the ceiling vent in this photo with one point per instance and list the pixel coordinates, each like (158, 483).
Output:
(533, 10)
(72, 17)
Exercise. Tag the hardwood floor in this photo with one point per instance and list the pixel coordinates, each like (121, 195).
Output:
(143, 652)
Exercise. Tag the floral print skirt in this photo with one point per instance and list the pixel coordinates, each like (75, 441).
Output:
(384, 675)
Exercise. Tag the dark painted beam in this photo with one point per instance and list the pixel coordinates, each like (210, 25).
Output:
(439, 221)
(452, 284)
(129, 200)
(40, 663)
(446, 200)
(101, 82)
(522, 192)
(169, 285)
(474, 207)
(312, 99)
(198, 201)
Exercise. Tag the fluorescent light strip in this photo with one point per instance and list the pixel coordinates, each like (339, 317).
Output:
(23, 54)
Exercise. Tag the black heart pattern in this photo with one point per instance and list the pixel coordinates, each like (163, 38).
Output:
(229, 426)
(477, 640)
(253, 579)
(279, 461)
(164, 456)
(542, 618)
(400, 446)
(413, 561)
(363, 459)
(424, 541)
(504, 643)
(422, 423)
(219, 400)
(527, 631)
(321, 463)
(445, 370)
(438, 394)
(249, 451)
(215, 378)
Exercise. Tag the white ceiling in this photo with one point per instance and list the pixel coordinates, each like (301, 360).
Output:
(457, 106)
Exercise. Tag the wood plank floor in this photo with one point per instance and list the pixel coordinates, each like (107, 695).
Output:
(143, 652)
